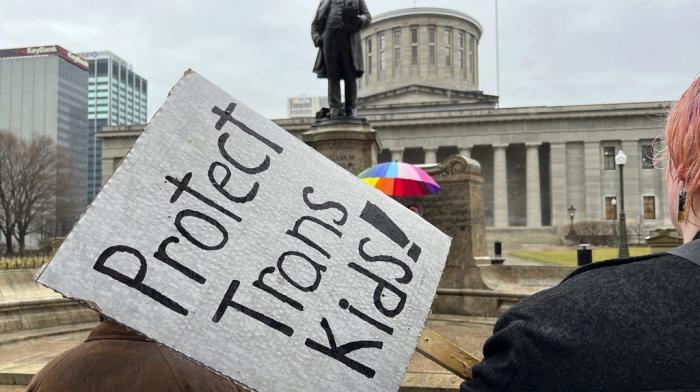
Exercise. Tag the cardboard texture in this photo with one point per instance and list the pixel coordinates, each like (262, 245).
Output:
(227, 239)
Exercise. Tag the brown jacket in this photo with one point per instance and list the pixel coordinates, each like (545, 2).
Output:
(115, 358)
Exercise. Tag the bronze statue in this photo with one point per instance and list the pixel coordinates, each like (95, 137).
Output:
(336, 32)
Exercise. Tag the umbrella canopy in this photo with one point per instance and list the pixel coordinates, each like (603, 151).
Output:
(400, 179)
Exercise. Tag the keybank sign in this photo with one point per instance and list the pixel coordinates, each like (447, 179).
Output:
(42, 50)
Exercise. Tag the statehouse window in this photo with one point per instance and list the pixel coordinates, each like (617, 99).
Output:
(649, 207)
(414, 45)
(610, 208)
(448, 47)
(472, 57)
(431, 45)
(648, 156)
(462, 60)
(608, 158)
(382, 51)
(397, 48)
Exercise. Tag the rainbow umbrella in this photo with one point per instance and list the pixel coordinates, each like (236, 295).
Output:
(400, 179)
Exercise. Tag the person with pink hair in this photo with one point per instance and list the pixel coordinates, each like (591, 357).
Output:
(622, 325)
(683, 156)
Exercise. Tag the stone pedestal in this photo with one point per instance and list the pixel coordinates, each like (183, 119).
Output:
(457, 210)
(351, 143)
(664, 239)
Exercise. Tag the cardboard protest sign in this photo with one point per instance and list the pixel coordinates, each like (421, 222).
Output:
(227, 239)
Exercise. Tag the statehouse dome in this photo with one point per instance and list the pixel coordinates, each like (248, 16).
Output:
(432, 47)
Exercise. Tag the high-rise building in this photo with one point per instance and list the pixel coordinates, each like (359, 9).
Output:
(116, 96)
(305, 107)
(43, 91)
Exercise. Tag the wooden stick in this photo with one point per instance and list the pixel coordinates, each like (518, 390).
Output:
(446, 354)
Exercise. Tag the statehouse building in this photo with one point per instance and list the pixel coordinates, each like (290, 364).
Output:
(420, 91)
(421, 94)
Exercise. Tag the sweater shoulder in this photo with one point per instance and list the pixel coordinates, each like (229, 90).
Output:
(599, 285)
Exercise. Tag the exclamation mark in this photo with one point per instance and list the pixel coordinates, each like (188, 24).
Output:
(380, 221)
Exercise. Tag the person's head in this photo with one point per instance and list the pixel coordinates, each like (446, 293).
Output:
(683, 154)
(415, 208)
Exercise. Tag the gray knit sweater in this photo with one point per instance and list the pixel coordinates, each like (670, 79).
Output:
(621, 325)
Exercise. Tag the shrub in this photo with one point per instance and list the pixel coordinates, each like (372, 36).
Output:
(598, 233)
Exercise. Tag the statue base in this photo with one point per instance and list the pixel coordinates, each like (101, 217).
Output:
(350, 142)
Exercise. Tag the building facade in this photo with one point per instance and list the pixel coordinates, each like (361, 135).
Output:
(420, 93)
(44, 91)
(116, 96)
(304, 107)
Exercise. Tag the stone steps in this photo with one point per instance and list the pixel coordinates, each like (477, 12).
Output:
(26, 305)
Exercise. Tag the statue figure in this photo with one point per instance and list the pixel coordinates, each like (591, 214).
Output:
(336, 32)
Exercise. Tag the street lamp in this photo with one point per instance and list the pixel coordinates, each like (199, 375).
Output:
(572, 212)
(620, 160)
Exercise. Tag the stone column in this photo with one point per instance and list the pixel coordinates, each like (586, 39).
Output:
(465, 152)
(633, 198)
(592, 162)
(500, 186)
(430, 155)
(558, 182)
(397, 154)
(532, 173)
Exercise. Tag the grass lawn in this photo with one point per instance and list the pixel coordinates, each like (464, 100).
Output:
(566, 257)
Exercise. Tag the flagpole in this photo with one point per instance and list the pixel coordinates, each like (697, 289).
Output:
(498, 55)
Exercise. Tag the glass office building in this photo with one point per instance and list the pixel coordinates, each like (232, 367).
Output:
(44, 91)
(116, 96)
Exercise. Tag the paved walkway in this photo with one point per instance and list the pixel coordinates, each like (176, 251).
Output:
(24, 355)
(468, 333)
(512, 260)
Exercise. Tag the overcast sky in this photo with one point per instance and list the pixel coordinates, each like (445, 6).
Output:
(553, 52)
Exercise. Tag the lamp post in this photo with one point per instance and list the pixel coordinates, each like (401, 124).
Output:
(572, 212)
(620, 160)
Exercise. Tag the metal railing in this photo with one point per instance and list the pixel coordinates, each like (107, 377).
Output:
(26, 260)
(482, 293)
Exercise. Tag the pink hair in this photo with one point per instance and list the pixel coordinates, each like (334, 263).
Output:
(683, 141)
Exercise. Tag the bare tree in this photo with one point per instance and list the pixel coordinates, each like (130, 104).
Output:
(39, 191)
(9, 173)
(36, 186)
(68, 194)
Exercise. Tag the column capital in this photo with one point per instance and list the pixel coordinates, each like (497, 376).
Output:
(533, 144)
(432, 149)
(558, 144)
(500, 145)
